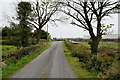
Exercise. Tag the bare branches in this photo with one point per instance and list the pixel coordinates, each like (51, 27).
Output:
(34, 24)
(79, 25)
(86, 12)
(77, 19)
(78, 11)
(43, 11)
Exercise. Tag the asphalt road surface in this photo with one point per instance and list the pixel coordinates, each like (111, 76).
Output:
(51, 63)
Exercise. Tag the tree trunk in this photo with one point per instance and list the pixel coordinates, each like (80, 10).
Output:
(38, 35)
(94, 45)
(24, 35)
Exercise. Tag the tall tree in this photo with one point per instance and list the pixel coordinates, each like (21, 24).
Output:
(85, 14)
(43, 10)
(24, 11)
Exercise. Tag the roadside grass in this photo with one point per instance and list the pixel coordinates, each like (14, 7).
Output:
(75, 65)
(3, 40)
(14, 67)
(97, 66)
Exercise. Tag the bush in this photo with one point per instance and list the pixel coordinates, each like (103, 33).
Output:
(105, 63)
(6, 42)
(80, 51)
(15, 40)
(114, 70)
(74, 49)
(18, 54)
(32, 41)
(84, 56)
(93, 64)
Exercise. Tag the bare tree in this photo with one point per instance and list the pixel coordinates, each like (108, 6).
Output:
(86, 14)
(42, 13)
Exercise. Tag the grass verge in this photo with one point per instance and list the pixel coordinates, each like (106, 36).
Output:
(12, 68)
(75, 65)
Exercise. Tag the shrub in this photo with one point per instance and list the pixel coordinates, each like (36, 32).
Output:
(18, 54)
(114, 70)
(6, 42)
(80, 51)
(93, 64)
(105, 64)
(84, 56)
(32, 41)
(74, 49)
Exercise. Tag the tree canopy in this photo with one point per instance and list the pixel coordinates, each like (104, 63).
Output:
(23, 11)
(86, 14)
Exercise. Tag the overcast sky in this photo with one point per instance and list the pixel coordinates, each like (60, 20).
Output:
(63, 30)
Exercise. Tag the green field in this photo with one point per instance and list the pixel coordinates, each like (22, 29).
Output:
(102, 44)
(7, 49)
(109, 44)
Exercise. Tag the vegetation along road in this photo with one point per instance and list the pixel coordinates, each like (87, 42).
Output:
(50, 64)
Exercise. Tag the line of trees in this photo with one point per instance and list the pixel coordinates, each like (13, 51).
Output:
(11, 35)
(84, 14)
(30, 15)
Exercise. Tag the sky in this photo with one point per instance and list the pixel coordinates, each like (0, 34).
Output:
(62, 30)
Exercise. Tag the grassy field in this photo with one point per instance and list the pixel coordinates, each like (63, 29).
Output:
(13, 67)
(75, 65)
(7, 49)
(109, 44)
(102, 44)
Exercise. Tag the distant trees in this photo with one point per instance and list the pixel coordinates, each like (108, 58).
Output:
(43, 34)
(86, 14)
(29, 17)
(12, 35)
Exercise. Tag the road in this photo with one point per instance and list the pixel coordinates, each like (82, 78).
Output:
(51, 63)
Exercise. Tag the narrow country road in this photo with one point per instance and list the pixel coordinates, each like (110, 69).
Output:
(51, 63)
